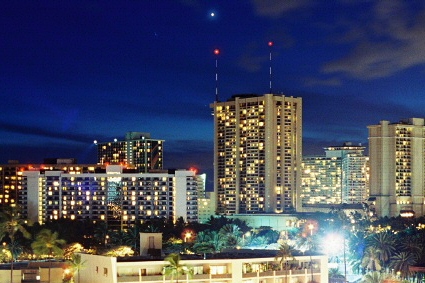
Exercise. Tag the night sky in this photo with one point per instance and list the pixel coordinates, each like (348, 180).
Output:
(75, 71)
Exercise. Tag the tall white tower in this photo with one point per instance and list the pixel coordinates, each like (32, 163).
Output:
(257, 153)
(396, 153)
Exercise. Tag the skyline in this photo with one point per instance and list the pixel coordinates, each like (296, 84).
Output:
(74, 72)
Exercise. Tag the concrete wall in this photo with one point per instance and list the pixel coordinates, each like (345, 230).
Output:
(5, 276)
(98, 269)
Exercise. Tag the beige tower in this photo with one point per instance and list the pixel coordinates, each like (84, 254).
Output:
(257, 153)
(396, 152)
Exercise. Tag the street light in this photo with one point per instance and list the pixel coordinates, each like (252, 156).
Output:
(187, 236)
(311, 227)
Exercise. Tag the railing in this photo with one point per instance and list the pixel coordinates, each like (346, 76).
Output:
(160, 278)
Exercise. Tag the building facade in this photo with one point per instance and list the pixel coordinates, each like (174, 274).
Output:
(257, 153)
(397, 153)
(120, 198)
(11, 175)
(339, 177)
(263, 267)
(137, 150)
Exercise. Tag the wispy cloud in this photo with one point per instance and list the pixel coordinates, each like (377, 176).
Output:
(393, 40)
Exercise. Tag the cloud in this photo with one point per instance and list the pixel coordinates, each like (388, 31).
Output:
(250, 61)
(326, 82)
(275, 8)
(391, 41)
(44, 132)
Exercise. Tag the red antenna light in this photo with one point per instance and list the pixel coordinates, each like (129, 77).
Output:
(216, 51)
(270, 43)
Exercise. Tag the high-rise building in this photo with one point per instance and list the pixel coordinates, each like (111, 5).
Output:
(118, 197)
(137, 150)
(257, 153)
(341, 176)
(397, 158)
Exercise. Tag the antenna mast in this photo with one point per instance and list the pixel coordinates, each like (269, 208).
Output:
(216, 52)
(270, 60)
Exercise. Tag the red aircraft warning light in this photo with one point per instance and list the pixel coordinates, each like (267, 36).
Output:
(216, 51)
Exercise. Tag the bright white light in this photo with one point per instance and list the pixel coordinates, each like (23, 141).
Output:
(115, 140)
(212, 14)
(333, 244)
(95, 141)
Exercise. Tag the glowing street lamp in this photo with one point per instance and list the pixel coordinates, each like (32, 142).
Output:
(187, 236)
(311, 228)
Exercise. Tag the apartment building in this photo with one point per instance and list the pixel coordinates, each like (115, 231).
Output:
(257, 153)
(118, 197)
(138, 150)
(341, 176)
(397, 158)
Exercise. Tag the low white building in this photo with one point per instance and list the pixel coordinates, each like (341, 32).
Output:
(261, 269)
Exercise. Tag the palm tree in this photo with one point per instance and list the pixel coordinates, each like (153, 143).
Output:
(371, 261)
(283, 254)
(356, 247)
(308, 243)
(77, 264)
(11, 222)
(385, 243)
(203, 243)
(374, 277)
(175, 269)
(48, 243)
(132, 238)
(402, 261)
(218, 241)
(101, 233)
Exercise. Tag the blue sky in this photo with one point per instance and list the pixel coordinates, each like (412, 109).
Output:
(75, 71)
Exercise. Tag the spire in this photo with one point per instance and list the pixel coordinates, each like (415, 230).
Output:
(270, 61)
(216, 53)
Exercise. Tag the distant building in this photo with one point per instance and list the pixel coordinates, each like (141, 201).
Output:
(206, 207)
(137, 150)
(257, 153)
(397, 160)
(118, 197)
(339, 177)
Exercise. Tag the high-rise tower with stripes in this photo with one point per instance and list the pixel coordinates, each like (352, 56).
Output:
(257, 153)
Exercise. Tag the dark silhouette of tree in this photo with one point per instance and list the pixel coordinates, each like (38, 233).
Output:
(385, 243)
(11, 225)
(401, 262)
(132, 238)
(101, 233)
(283, 255)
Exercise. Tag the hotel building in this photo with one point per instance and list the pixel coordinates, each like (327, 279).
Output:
(257, 153)
(137, 150)
(121, 198)
(11, 175)
(341, 176)
(397, 153)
